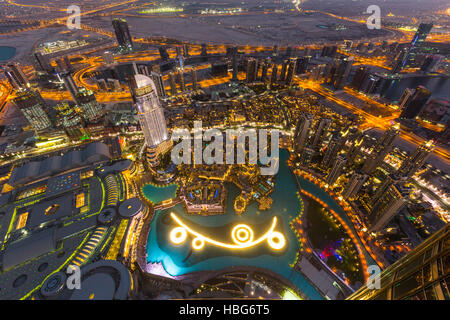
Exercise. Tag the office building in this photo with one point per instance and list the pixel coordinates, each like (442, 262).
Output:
(92, 110)
(291, 71)
(284, 67)
(252, 70)
(34, 109)
(234, 62)
(108, 57)
(414, 106)
(172, 83)
(405, 98)
(335, 146)
(113, 85)
(70, 84)
(264, 71)
(302, 64)
(416, 160)
(180, 76)
(342, 72)
(354, 185)
(16, 77)
(43, 63)
(417, 43)
(274, 75)
(71, 121)
(301, 134)
(185, 50)
(432, 63)
(195, 85)
(317, 72)
(336, 169)
(159, 84)
(101, 85)
(381, 149)
(321, 131)
(360, 77)
(388, 205)
(123, 35)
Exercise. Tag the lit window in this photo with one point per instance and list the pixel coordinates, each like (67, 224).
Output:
(22, 220)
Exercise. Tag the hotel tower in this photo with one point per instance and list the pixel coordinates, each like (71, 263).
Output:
(151, 118)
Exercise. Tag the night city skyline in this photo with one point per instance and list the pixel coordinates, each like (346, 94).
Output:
(229, 150)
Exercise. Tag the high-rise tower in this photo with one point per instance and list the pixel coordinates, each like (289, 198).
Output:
(381, 149)
(122, 33)
(151, 118)
(416, 160)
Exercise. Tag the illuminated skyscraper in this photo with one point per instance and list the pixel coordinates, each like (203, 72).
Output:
(432, 63)
(360, 77)
(421, 274)
(284, 67)
(43, 63)
(234, 62)
(265, 68)
(159, 83)
(274, 76)
(185, 50)
(173, 84)
(416, 160)
(291, 71)
(321, 131)
(335, 145)
(33, 107)
(336, 169)
(70, 84)
(354, 185)
(16, 77)
(381, 149)
(181, 81)
(86, 100)
(415, 105)
(407, 55)
(354, 148)
(252, 70)
(417, 43)
(342, 72)
(388, 205)
(151, 118)
(194, 79)
(302, 64)
(301, 134)
(71, 121)
(381, 189)
(405, 98)
(123, 35)
(400, 60)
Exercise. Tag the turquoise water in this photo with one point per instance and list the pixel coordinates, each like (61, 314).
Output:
(181, 259)
(156, 194)
(7, 53)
